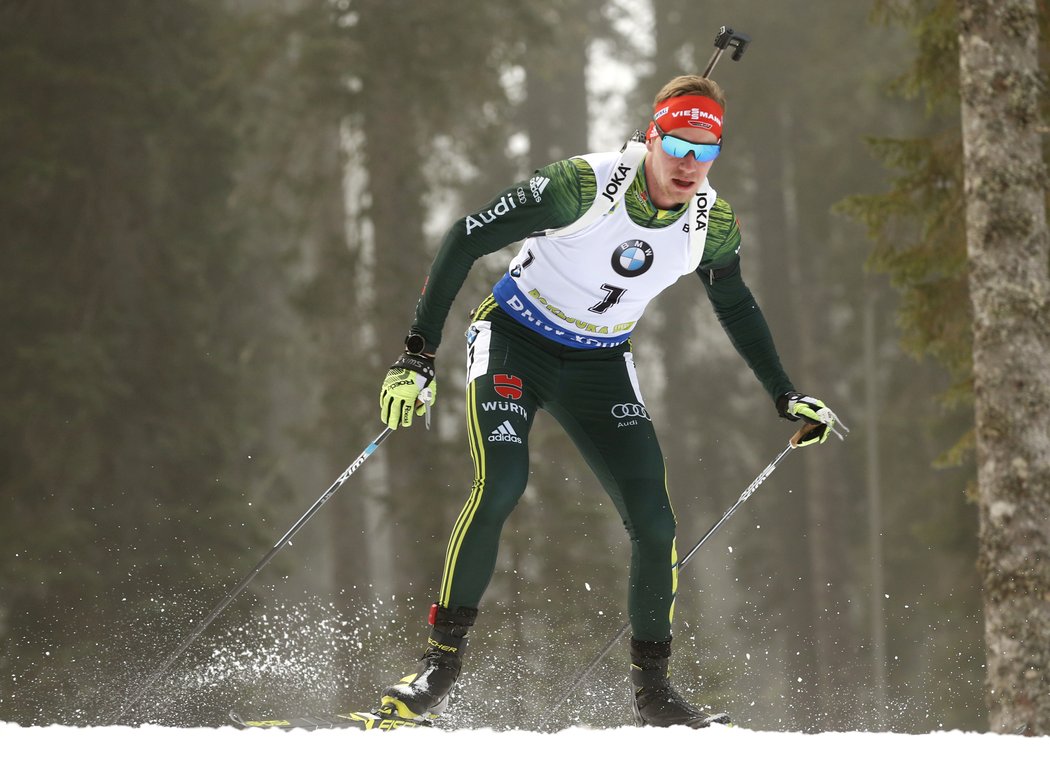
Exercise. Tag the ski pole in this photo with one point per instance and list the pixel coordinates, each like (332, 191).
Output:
(793, 443)
(281, 543)
(726, 37)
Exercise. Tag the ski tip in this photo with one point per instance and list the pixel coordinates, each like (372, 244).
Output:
(379, 720)
(383, 720)
(720, 719)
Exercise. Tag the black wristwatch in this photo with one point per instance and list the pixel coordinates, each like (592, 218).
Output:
(415, 344)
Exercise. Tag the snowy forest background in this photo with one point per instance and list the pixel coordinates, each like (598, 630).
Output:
(216, 219)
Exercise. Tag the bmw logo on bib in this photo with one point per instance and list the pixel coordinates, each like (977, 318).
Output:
(632, 258)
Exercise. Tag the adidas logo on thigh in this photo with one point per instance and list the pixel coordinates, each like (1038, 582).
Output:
(505, 432)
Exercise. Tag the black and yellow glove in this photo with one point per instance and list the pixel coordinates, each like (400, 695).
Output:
(409, 388)
(797, 406)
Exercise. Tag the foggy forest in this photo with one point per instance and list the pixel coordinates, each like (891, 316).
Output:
(216, 219)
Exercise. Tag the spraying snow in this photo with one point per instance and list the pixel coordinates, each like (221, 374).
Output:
(160, 743)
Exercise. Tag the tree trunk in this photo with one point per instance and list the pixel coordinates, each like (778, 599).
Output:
(873, 471)
(764, 256)
(827, 571)
(393, 212)
(555, 114)
(1007, 244)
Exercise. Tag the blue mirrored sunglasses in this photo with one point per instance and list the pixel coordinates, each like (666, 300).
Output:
(679, 148)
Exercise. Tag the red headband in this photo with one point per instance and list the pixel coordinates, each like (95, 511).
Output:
(695, 111)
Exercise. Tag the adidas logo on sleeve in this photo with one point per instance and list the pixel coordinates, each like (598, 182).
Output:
(505, 432)
(538, 185)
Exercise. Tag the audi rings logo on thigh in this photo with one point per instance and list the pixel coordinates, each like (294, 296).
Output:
(622, 411)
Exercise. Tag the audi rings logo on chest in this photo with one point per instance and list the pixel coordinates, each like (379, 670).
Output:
(621, 411)
(632, 258)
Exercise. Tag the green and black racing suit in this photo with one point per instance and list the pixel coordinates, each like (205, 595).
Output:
(514, 371)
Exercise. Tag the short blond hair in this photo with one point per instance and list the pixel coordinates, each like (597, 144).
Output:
(691, 84)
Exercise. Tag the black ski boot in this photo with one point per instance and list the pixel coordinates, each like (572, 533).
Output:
(656, 703)
(423, 695)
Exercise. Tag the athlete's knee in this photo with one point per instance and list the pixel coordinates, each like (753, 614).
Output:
(655, 531)
(649, 518)
(497, 496)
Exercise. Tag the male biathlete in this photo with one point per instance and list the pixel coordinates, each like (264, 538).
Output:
(603, 235)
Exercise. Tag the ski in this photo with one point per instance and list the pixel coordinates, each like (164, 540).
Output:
(363, 721)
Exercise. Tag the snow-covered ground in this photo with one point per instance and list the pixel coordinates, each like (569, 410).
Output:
(160, 743)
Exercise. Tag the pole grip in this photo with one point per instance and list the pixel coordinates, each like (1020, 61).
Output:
(802, 432)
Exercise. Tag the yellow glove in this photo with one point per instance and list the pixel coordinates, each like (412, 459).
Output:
(410, 387)
(796, 406)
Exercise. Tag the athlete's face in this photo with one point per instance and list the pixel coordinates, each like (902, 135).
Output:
(674, 181)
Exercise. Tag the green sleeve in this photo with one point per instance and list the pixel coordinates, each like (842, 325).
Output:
(723, 237)
(734, 304)
(555, 196)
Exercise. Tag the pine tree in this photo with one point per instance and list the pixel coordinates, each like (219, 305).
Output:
(130, 394)
(1008, 248)
(952, 303)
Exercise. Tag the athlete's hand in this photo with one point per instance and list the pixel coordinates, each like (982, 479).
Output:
(410, 387)
(797, 406)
